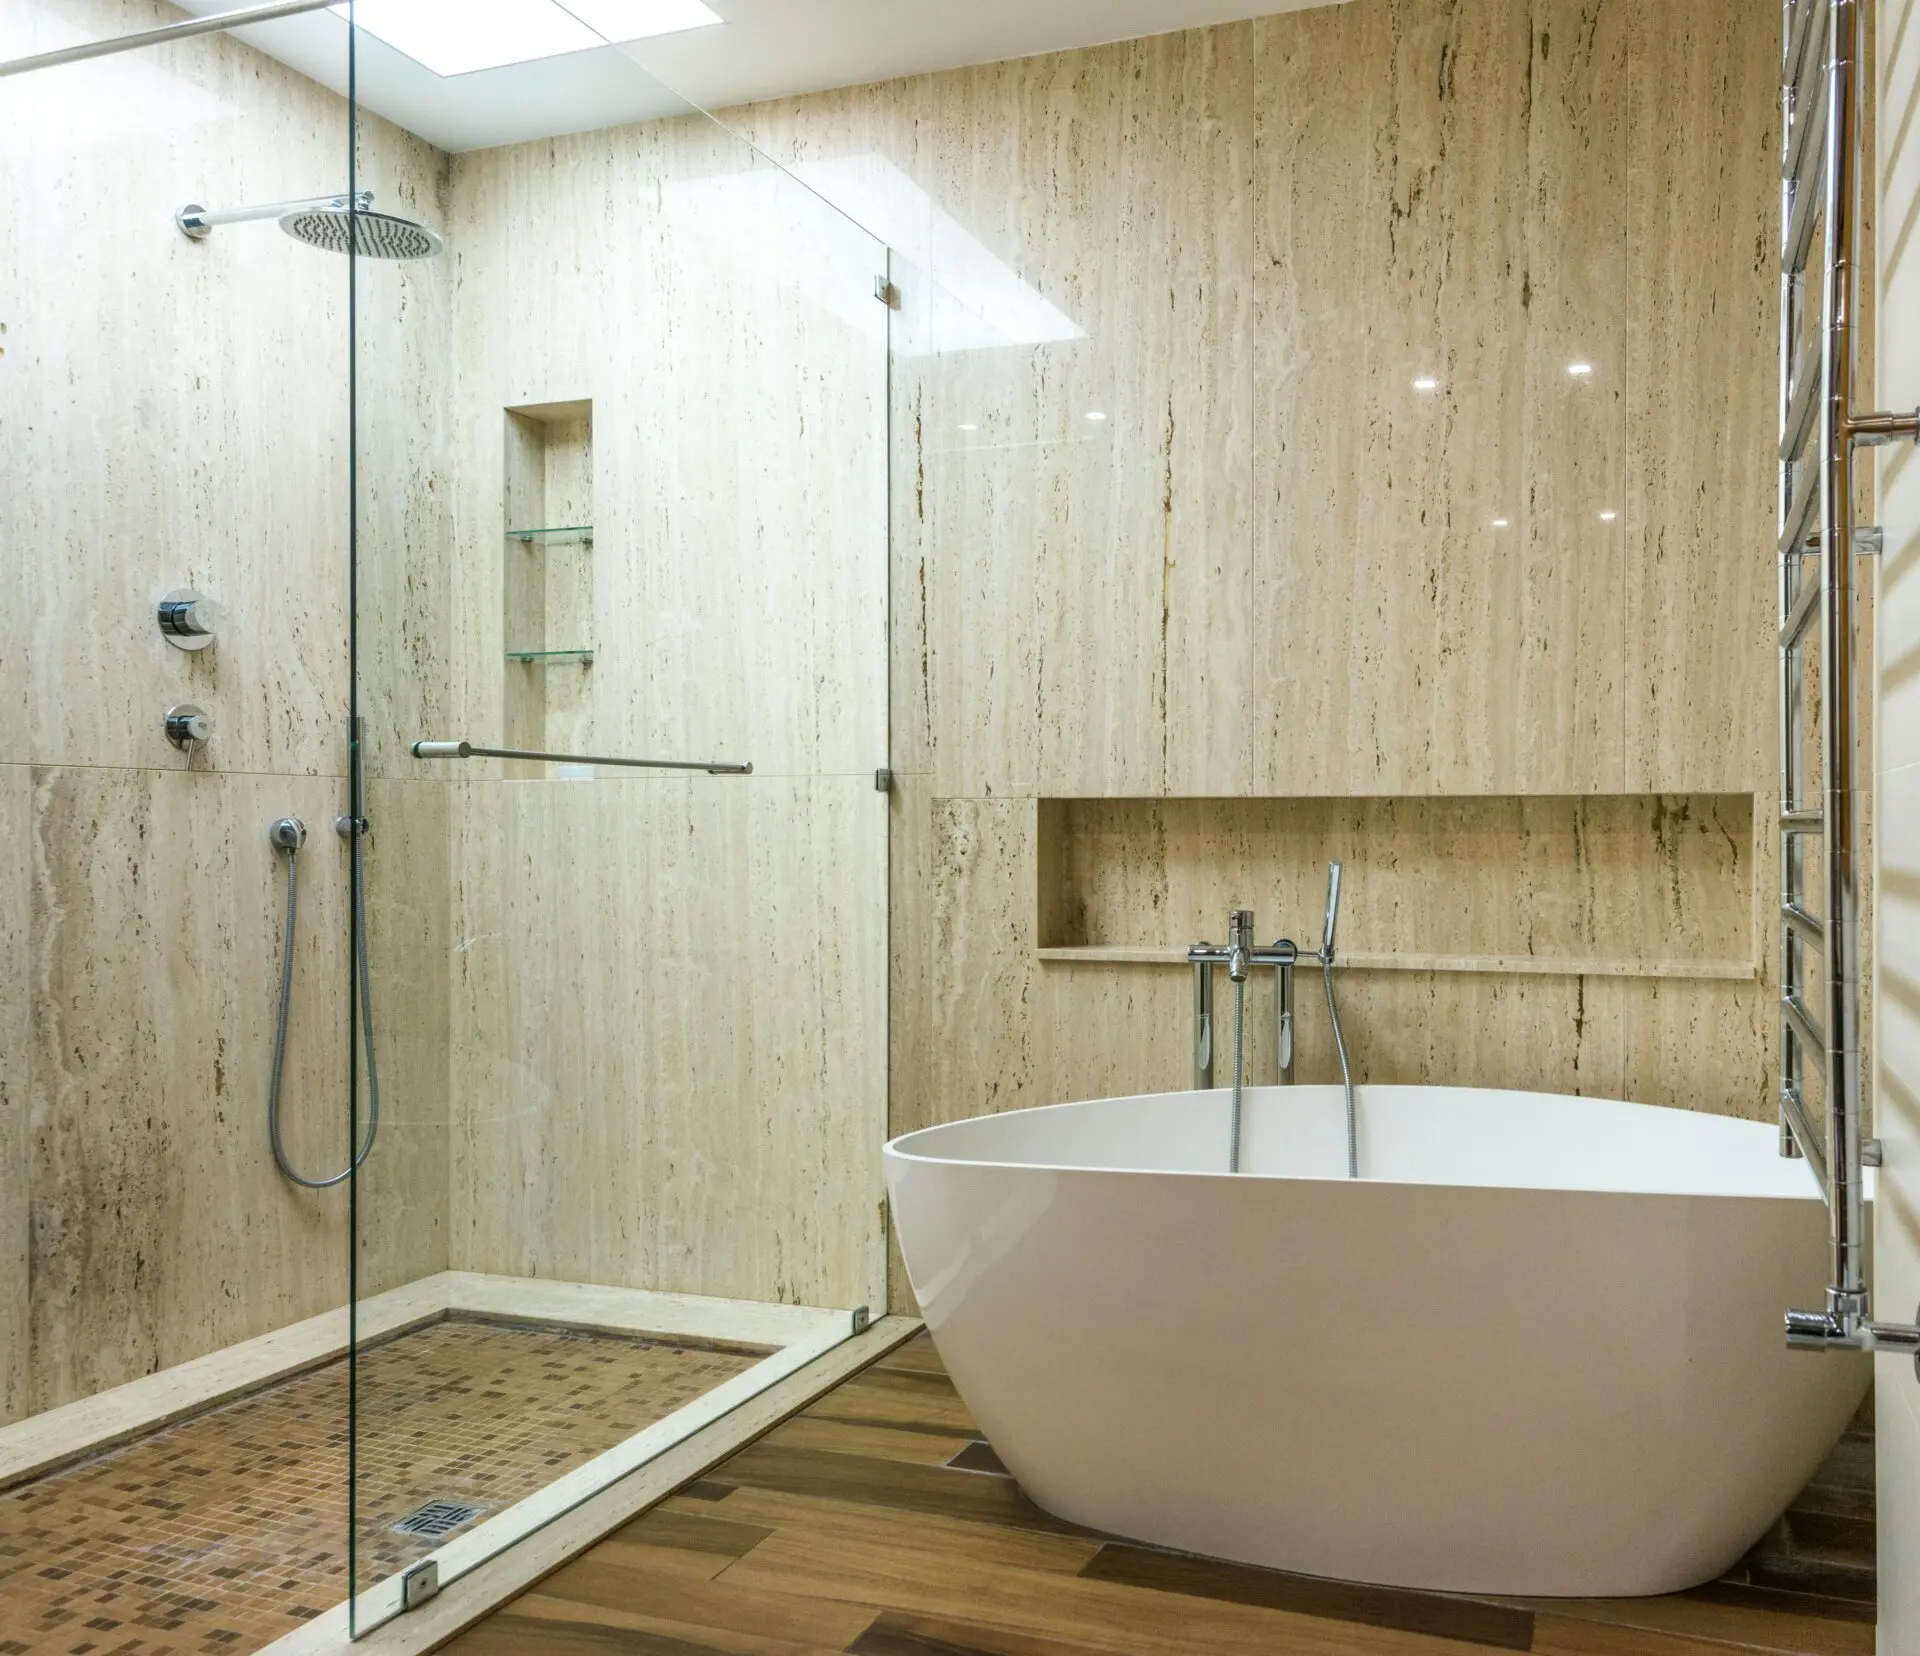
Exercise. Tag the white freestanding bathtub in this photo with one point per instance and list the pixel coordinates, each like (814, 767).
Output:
(1537, 1349)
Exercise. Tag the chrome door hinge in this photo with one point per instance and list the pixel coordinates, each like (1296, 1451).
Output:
(418, 1585)
(883, 780)
(886, 293)
(862, 1319)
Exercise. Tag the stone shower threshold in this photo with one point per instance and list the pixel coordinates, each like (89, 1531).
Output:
(199, 1504)
(46, 1442)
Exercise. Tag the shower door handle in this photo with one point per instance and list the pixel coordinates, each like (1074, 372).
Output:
(467, 750)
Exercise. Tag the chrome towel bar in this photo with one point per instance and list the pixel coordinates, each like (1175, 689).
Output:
(466, 750)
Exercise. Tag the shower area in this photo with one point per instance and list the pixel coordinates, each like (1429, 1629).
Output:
(444, 884)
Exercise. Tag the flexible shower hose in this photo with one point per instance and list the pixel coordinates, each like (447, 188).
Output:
(362, 977)
(1239, 1069)
(1346, 1074)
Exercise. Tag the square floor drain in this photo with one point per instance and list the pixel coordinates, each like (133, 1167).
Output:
(436, 1519)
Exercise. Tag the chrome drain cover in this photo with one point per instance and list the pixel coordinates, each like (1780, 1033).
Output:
(436, 1519)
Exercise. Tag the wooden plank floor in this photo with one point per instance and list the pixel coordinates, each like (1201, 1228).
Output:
(879, 1523)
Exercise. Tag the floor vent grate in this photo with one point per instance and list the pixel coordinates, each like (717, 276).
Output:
(436, 1519)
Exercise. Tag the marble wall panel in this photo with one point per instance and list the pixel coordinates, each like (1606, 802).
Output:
(1012, 1030)
(1648, 879)
(863, 150)
(1703, 205)
(405, 1186)
(1088, 494)
(669, 996)
(722, 322)
(182, 407)
(405, 513)
(1115, 183)
(669, 1053)
(16, 1024)
(174, 413)
(1514, 580)
(1392, 320)
(160, 1227)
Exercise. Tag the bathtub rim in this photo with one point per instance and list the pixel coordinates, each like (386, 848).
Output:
(897, 1149)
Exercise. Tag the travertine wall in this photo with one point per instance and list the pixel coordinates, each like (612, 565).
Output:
(1277, 568)
(1896, 1088)
(639, 1020)
(176, 414)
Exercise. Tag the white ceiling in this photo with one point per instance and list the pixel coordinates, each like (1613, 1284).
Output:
(768, 49)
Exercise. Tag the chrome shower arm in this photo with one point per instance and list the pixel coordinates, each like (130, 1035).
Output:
(195, 221)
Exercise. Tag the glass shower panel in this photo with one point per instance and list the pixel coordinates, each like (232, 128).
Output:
(173, 427)
(622, 507)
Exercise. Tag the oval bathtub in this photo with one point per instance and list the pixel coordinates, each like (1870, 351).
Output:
(1536, 1350)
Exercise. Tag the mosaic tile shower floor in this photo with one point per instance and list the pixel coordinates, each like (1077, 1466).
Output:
(219, 1535)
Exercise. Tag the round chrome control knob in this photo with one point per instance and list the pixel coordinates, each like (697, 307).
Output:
(188, 726)
(188, 621)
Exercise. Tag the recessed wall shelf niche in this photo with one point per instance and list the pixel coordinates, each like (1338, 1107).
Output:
(547, 585)
(1640, 886)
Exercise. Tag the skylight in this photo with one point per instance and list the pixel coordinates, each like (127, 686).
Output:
(458, 37)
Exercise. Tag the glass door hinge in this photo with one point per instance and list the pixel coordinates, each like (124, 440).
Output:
(886, 293)
(418, 1585)
(883, 780)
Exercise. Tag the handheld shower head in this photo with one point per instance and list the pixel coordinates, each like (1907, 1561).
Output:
(1333, 912)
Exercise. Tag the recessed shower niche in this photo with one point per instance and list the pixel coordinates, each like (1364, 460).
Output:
(547, 607)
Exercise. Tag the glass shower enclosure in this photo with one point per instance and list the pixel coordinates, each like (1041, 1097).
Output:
(444, 1057)
(620, 695)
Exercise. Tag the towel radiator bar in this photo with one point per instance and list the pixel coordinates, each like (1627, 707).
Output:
(1823, 86)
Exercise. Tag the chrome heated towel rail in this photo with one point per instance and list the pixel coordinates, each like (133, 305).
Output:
(1823, 89)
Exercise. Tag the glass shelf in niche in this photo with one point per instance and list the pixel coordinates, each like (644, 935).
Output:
(543, 658)
(572, 534)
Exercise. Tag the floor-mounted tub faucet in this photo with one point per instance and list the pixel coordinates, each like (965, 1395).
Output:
(1239, 956)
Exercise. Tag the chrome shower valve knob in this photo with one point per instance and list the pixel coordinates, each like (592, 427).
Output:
(188, 621)
(188, 726)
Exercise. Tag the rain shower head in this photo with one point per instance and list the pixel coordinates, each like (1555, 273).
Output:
(372, 235)
(334, 224)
